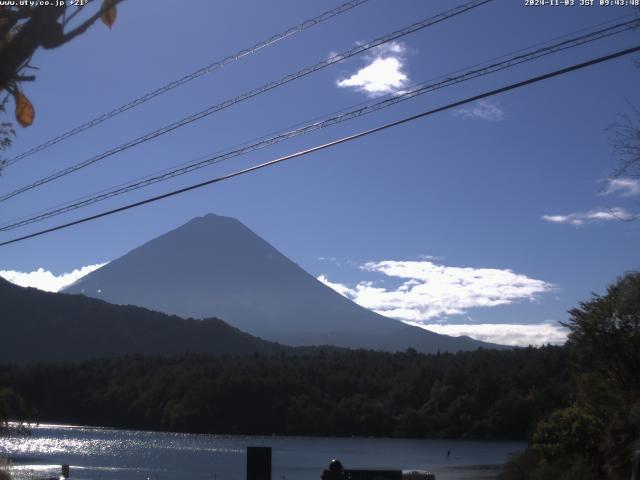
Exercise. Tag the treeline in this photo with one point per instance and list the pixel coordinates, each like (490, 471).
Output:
(483, 394)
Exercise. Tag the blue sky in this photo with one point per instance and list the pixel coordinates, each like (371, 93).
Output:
(493, 219)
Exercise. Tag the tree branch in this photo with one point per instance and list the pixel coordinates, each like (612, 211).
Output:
(70, 17)
(42, 29)
(25, 78)
(83, 27)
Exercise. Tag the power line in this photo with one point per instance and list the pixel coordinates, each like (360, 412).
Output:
(320, 123)
(334, 143)
(311, 22)
(257, 91)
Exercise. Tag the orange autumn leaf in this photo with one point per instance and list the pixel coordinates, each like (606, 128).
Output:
(25, 112)
(110, 13)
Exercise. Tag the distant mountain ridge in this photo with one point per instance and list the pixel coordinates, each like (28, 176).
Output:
(216, 266)
(40, 326)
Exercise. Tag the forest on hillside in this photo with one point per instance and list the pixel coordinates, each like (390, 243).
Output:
(47, 327)
(483, 394)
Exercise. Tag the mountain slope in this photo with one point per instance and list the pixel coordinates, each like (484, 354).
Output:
(40, 326)
(216, 266)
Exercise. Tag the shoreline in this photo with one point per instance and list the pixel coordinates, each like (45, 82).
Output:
(442, 472)
(53, 424)
(470, 472)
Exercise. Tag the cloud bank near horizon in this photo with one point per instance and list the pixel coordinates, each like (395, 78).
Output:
(45, 280)
(430, 292)
(515, 334)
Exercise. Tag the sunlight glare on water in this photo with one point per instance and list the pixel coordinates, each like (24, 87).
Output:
(106, 454)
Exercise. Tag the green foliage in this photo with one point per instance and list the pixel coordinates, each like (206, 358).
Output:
(605, 334)
(531, 466)
(596, 436)
(566, 432)
(15, 414)
(483, 394)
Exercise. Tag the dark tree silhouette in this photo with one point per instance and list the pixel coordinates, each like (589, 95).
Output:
(595, 437)
(605, 333)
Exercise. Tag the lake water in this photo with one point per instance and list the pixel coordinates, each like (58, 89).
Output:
(106, 454)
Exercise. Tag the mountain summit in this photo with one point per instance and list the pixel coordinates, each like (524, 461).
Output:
(216, 266)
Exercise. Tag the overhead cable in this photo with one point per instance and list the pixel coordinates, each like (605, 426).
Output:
(326, 122)
(250, 94)
(333, 143)
(311, 22)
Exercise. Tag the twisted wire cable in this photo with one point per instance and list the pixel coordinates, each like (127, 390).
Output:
(252, 93)
(331, 144)
(305, 25)
(330, 120)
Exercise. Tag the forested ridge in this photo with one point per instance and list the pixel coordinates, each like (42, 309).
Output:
(45, 327)
(483, 394)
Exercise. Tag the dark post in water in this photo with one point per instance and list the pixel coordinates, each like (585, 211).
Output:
(635, 474)
(258, 463)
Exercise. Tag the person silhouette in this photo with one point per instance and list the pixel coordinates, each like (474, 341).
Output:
(334, 472)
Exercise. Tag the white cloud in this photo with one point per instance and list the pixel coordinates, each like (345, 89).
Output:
(384, 73)
(338, 287)
(435, 291)
(430, 257)
(332, 260)
(625, 187)
(504, 333)
(489, 110)
(596, 215)
(45, 280)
